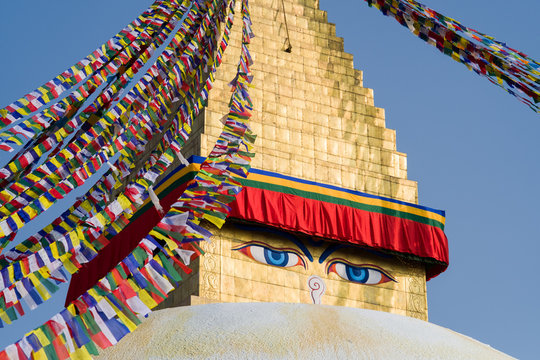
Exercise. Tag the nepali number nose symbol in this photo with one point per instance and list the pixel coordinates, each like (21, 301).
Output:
(317, 287)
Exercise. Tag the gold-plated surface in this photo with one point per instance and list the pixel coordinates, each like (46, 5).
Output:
(314, 120)
(227, 275)
(312, 115)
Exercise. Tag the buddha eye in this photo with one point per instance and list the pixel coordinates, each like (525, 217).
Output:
(362, 274)
(271, 256)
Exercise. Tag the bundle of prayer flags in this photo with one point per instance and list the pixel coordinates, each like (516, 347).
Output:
(114, 306)
(504, 66)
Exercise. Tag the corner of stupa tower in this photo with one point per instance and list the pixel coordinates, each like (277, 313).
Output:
(314, 121)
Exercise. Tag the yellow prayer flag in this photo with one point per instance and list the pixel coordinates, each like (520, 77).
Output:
(124, 319)
(55, 162)
(124, 201)
(65, 226)
(158, 235)
(41, 336)
(117, 227)
(45, 204)
(4, 317)
(12, 166)
(32, 177)
(42, 291)
(147, 299)
(69, 265)
(76, 235)
(54, 250)
(30, 211)
(218, 222)
(102, 219)
(5, 211)
(170, 243)
(124, 152)
(133, 285)
(62, 132)
(71, 309)
(87, 138)
(81, 354)
(15, 217)
(86, 205)
(44, 272)
(39, 355)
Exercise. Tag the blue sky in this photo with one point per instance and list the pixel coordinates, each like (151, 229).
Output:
(472, 147)
(474, 151)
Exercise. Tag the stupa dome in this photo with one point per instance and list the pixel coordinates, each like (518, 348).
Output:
(292, 331)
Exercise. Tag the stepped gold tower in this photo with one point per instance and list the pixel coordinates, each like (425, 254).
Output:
(315, 121)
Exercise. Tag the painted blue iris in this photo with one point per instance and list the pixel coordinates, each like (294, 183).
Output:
(361, 274)
(271, 256)
(276, 257)
(357, 274)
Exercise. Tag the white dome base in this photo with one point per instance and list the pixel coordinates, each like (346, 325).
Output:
(292, 331)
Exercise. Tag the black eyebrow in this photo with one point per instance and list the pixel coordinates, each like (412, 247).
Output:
(283, 234)
(334, 247)
(329, 250)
